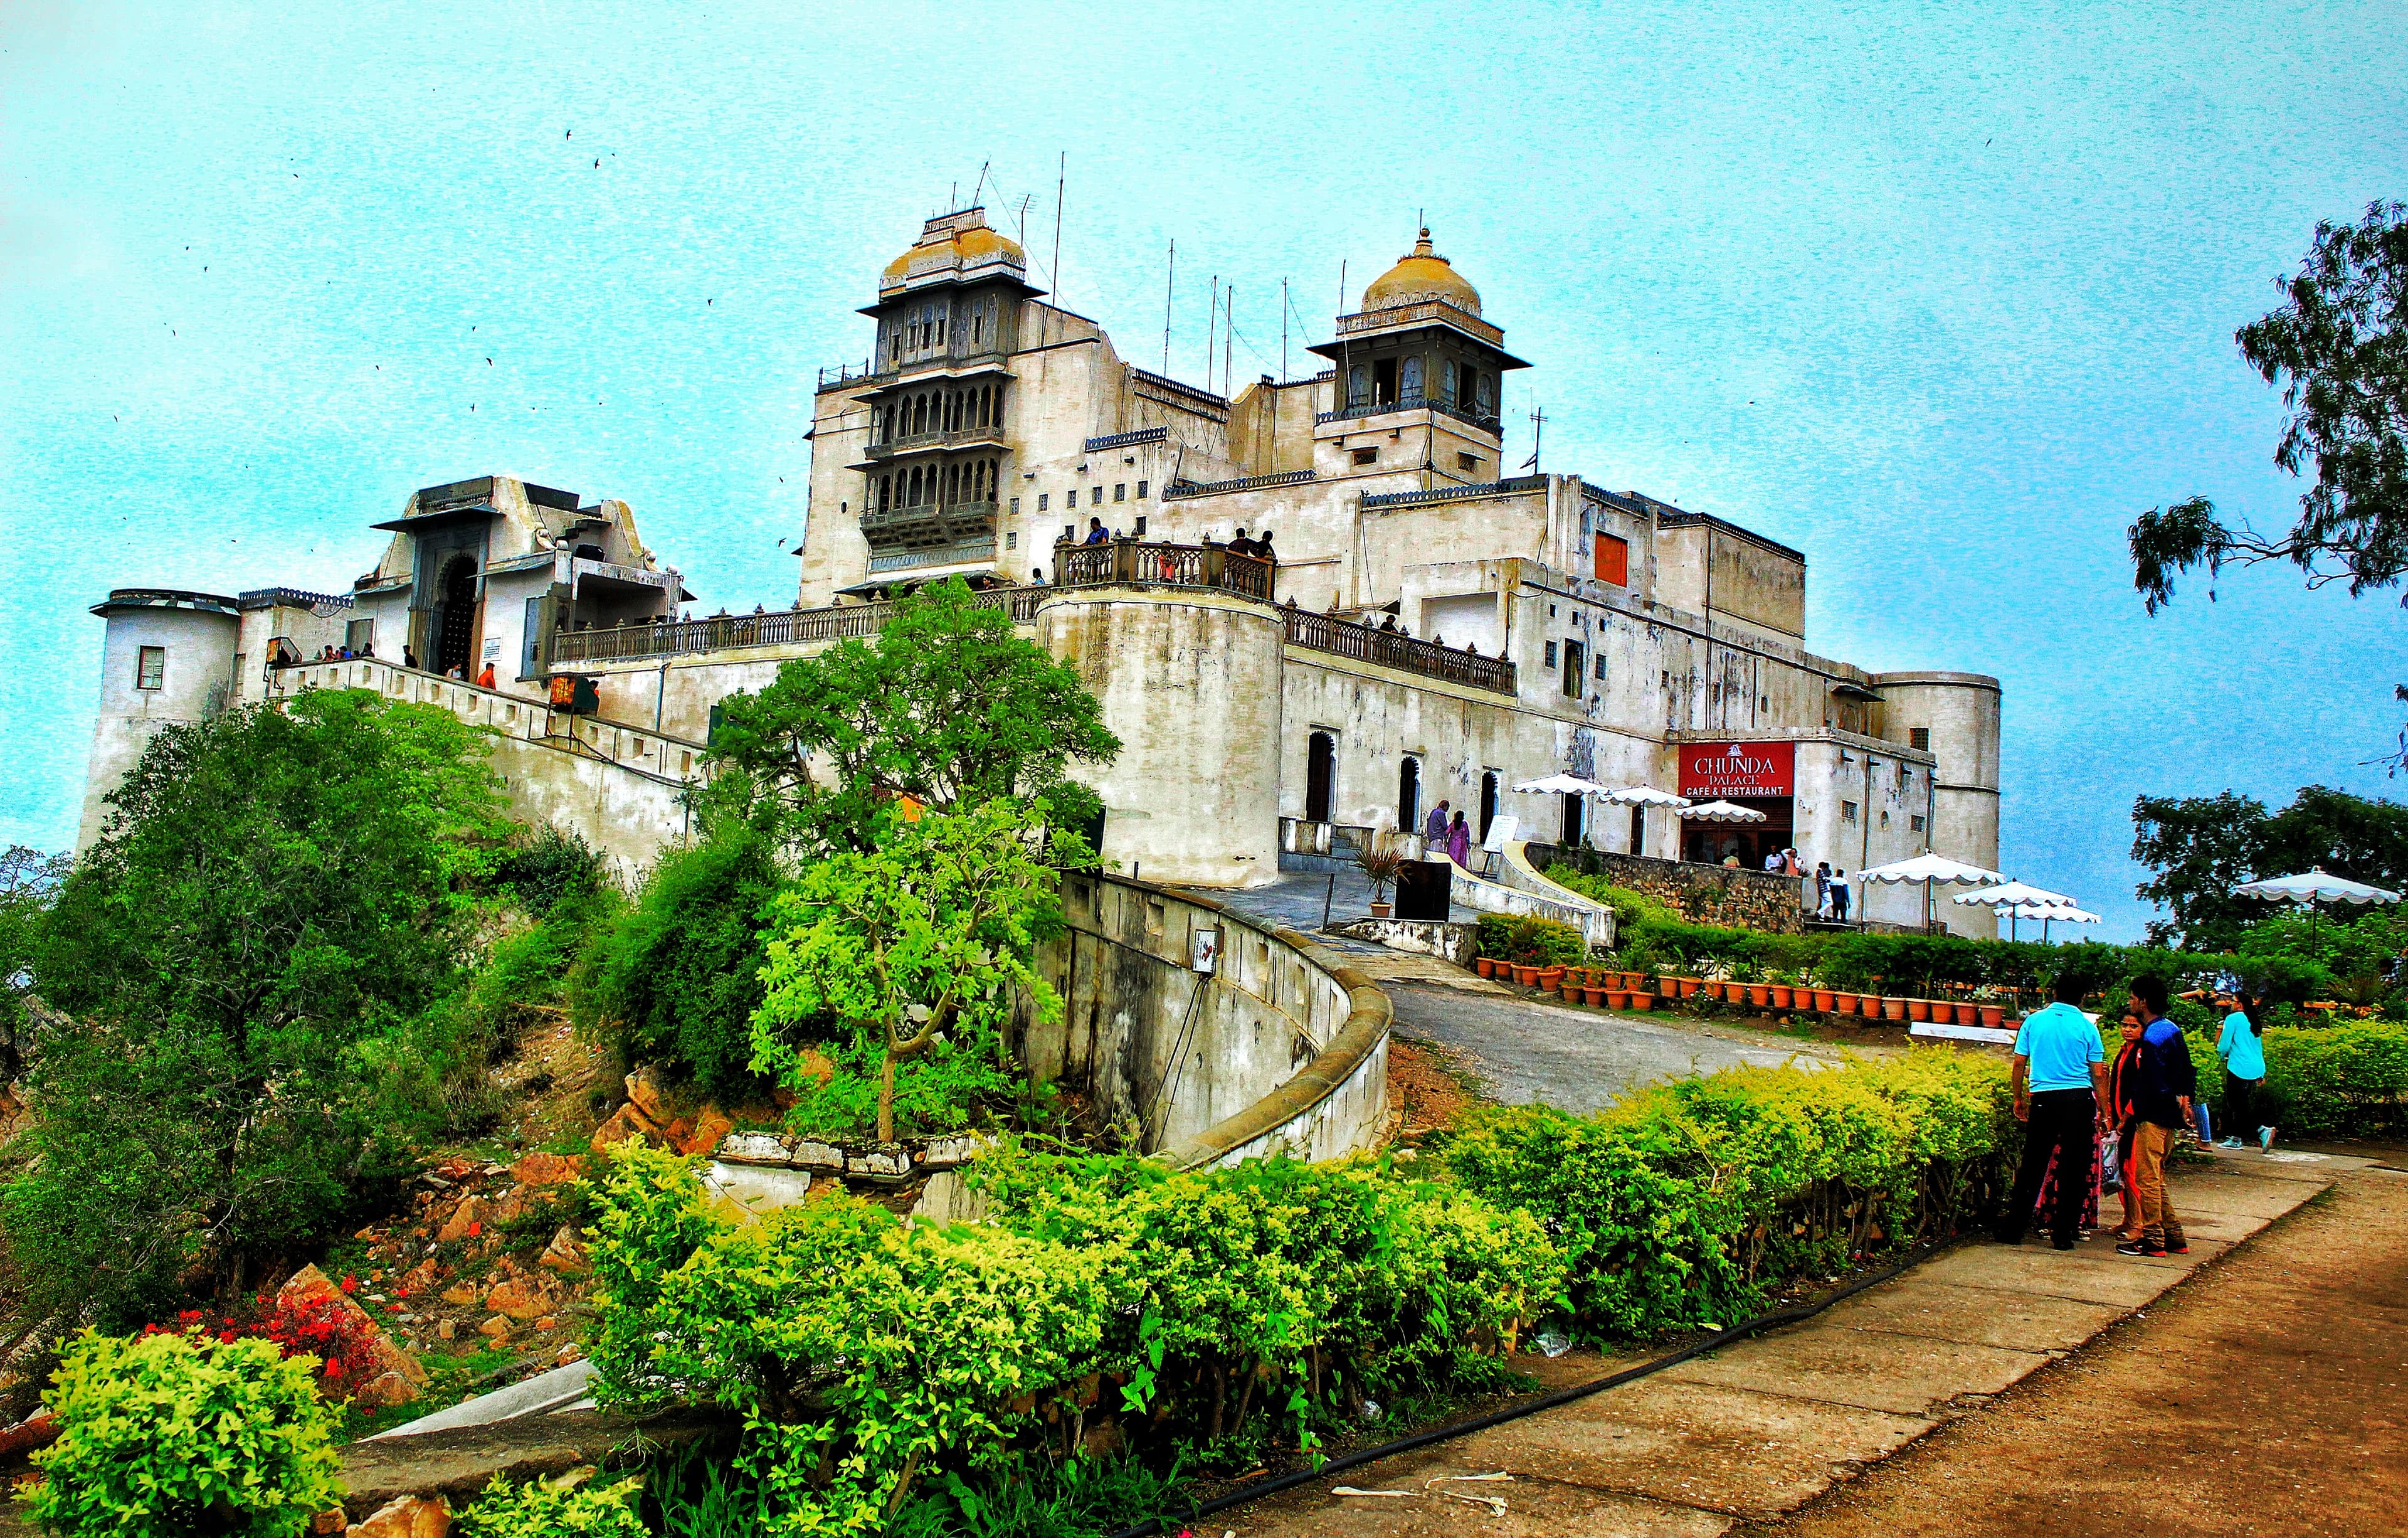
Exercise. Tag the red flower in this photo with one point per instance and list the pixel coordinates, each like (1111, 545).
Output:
(351, 1283)
(475, 1228)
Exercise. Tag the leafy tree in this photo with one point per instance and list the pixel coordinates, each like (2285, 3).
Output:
(678, 976)
(2340, 349)
(919, 946)
(29, 883)
(2200, 848)
(946, 706)
(277, 891)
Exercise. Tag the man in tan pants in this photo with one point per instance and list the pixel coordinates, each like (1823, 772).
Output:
(2161, 1105)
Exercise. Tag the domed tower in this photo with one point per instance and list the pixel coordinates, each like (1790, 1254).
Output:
(948, 312)
(1419, 346)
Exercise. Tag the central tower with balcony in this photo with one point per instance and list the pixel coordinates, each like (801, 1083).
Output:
(1419, 376)
(935, 455)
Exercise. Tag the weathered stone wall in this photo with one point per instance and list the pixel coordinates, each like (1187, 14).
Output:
(1704, 894)
(1197, 1060)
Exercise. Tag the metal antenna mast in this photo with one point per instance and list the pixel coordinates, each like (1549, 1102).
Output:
(1169, 283)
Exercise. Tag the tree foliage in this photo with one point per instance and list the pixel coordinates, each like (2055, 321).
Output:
(946, 706)
(29, 884)
(2339, 348)
(922, 945)
(2199, 848)
(276, 892)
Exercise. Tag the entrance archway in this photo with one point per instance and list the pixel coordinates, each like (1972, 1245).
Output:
(457, 632)
(1320, 777)
(1409, 795)
(1575, 805)
(1487, 793)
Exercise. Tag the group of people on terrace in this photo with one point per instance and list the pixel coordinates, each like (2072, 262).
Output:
(2092, 1125)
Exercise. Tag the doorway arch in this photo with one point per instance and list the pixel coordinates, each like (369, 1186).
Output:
(455, 636)
(1409, 795)
(1488, 788)
(1320, 777)
(1574, 805)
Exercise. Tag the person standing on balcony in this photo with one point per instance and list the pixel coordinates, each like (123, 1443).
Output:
(485, 679)
(1262, 551)
(1241, 545)
(1095, 534)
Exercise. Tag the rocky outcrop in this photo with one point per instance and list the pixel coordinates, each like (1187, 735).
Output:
(398, 1378)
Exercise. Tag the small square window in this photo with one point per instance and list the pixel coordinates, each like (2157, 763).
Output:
(1919, 737)
(1071, 499)
(1916, 824)
(1140, 525)
(1043, 498)
(1015, 507)
(1468, 463)
(1120, 491)
(1141, 491)
(359, 635)
(150, 668)
(1366, 456)
(1847, 811)
(1011, 539)
(1600, 664)
(1069, 531)
(1551, 653)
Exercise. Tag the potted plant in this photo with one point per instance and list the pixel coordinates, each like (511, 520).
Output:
(1893, 1007)
(1380, 859)
(1989, 1006)
(1920, 1009)
(1780, 988)
(1824, 1000)
(1592, 991)
(1617, 999)
(1486, 965)
(1642, 1000)
(1843, 1003)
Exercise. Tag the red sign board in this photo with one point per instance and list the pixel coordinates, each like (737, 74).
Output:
(1713, 770)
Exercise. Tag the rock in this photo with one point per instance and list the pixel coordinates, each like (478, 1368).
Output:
(420, 1277)
(464, 1223)
(648, 1091)
(545, 1323)
(309, 1288)
(711, 1127)
(564, 1255)
(38, 1430)
(517, 1298)
(815, 1065)
(510, 1207)
(408, 1517)
(460, 1295)
(387, 1389)
(446, 1331)
(626, 1123)
(675, 1133)
(539, 1170)
(497, 1327)
(330, 1521)
(960, 1148)
(883, 1162)
(755, 1148)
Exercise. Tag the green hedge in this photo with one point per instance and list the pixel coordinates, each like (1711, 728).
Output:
(2344, 1081)
(1682, 1203)
(1531, 941)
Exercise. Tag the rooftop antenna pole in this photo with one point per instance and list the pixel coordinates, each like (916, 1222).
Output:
(1212, 321)
(1538, 435)
(1345, 365)
(982, 182)
(1061, 180)
(1170, 284)
(1282, 331)
(1229, 338)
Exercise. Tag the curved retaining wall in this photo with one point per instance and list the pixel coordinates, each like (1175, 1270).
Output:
(1282, 1049)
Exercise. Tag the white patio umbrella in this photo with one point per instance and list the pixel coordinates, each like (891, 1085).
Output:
(2049, 914)
(2012, 899)
(2314, 888)
(1644, 795)
(1560, 785)
(1931, 870)
(1721, 811)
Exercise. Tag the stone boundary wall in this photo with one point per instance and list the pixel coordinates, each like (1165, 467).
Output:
(1282, 1049)
(1701, 894)
(1595, 921)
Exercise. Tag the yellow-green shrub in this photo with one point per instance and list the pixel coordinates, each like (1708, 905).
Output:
(177, 1433)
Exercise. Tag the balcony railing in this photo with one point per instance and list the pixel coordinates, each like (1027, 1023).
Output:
(786, 627)
(1420, 313)
(959, 438)
(1415, 403)
(1345, 639)
(1178, 489)
(1136, 563)
(846, 373)
(1510, 487)
(1123, 440)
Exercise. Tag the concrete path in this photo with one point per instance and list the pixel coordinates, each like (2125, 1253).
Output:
(1758, 1429)
(1526, 1052)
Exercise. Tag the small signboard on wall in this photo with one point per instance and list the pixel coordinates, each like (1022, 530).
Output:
(1501, 831)
(493, 648)
(1204, 951)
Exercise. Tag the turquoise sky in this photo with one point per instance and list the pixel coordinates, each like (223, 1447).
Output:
(1942, 296)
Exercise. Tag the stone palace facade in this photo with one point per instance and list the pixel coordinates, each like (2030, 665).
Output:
(1543, 624)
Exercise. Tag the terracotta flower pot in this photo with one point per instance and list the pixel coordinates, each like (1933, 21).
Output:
(1571, 992)
(1591, 994)
(1486, 964)
(1824, 999)
(1893, 1008)
(1920, 1009)
(1991, 1014)
(1382, 910)
(1760, 995)
(1779, 996)
(1843, 1003)
(1689, 987)
(1642, 1001)
(1964, 1013)
(1634, 981)
(1617, 999)
(1870, 1006)
(1524, 975)
(1668, 987)
(1551, 977)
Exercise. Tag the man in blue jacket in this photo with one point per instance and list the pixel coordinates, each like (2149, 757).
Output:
(2161, 1108)
(2060, 1078)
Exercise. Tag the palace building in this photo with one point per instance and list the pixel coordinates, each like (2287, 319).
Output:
(1427, 626)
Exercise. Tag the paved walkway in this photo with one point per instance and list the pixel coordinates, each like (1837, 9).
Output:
(1764, 1427)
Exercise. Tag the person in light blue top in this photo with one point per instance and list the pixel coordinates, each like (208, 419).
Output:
(2060, 1075)
(2243, 1050)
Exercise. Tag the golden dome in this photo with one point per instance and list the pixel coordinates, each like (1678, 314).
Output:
(952, 242)
(1421, 274)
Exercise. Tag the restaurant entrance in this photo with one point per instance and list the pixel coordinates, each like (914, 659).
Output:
(1758, 776)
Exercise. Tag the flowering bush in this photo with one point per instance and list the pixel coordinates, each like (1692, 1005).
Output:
(339, 1337)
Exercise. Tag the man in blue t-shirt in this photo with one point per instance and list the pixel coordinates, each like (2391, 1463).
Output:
(2059, 1075)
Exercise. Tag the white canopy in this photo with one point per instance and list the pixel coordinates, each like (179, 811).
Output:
(2056, 913)
(1560, 785)
(1644, 795)
(1928, 867)
(1722, 812)
(2316, 887)
(2014, 894)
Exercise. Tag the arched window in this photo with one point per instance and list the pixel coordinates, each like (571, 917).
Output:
(1320, 777)
(1487, 395)
(1487, 801)
(1358, 385)
(1409, 380)
(1446, 388)
(1409, 793)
